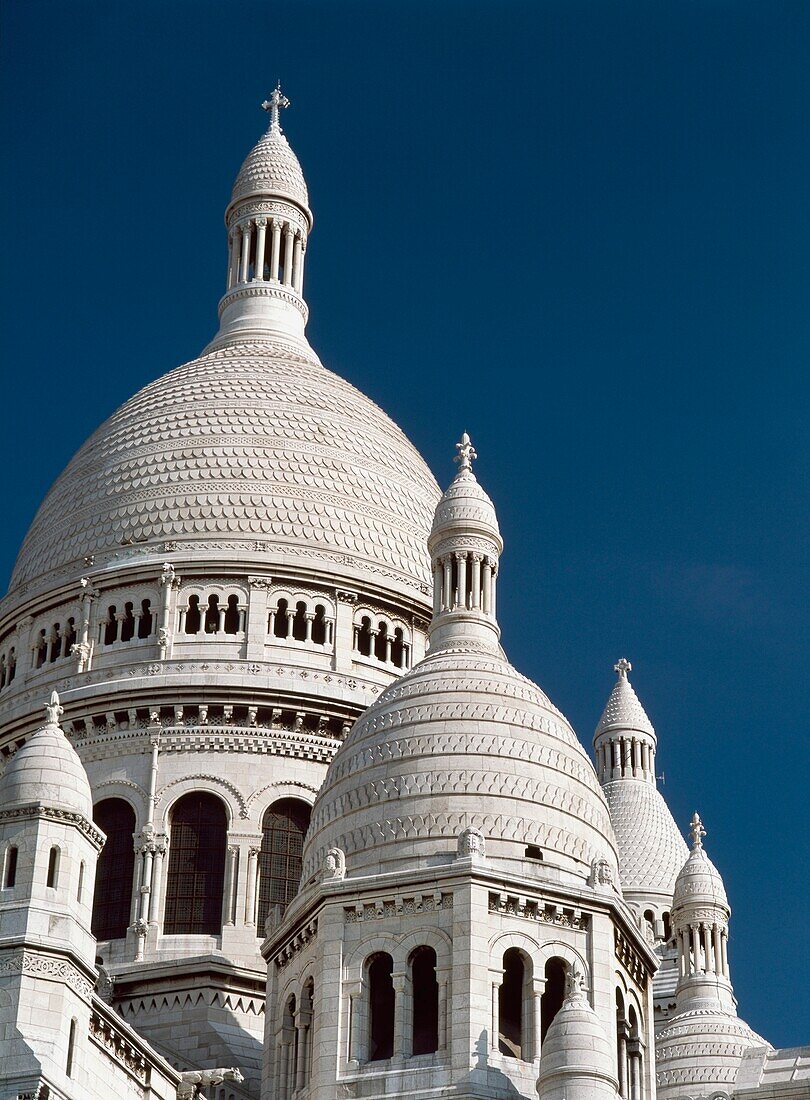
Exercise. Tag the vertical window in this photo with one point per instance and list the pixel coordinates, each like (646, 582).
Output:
(192, 625)
(299, 623)
(381, 642)
(511, 1041)
(114, 869)
(128, 624)
(71, 1045)
(425, 988)
(145, 621)
(319, 625)
(196, 874)
(56, 642)
(553, 996)
(212, 615)
(667, 927)
(232, 615)
(110, 626)
(10, 870)
(284, 827)
(381, 1007)
(280, 623)
(80, 887)
(621, 1046)
(364, 638)
(53, 868)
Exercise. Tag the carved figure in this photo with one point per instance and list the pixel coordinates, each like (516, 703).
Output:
(601, 874)
(192, 1081)
(334, 866)
(471, 843)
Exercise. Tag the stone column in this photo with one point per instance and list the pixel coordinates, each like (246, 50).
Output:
(356, 1047)
(161, 846)
(496, 980)
(233, 266)
(296, 261)
(403, 1016)
(250, 893)
(724, 945)
(447, 598)
(261, 230)
(275, 250)
(695, 936)
(342, 655)
(257, 628)
(299, 286)
(538, 989)
(228, 898)
(437, 588)
(288, 258)
(487, 586)
(303, 1021)
(245, 264)
(475, 594)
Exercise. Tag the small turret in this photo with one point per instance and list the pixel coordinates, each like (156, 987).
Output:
(577, 1061)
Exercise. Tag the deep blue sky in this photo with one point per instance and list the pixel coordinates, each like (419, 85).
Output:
(578, 230)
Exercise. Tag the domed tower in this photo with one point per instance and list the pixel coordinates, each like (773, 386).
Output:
(460, 862)
(578, 1062)
(651, 849)
(224, 577)
(48, 851)
(702, 1046)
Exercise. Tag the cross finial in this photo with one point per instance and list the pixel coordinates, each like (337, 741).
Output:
(622, 666)
(466, 453)
(54, 710)
(697, 832)
(276, 101)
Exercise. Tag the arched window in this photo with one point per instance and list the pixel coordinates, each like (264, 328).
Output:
(70, 1048)
(42, 646)
(553, 995)
(381, 1007)
(128, 623)
(56, 642)
(196, 874)
(193, 616)
(634, 1056)
(621, 1046)
(667, 927)
(145, 621)
(232, 615)
(425, 988)
(12, 664)
(381, 642)
(81, 882)
(212, 615)
(280, 622)
(110, 626)
(364, 637)
(319, 625)
(10, 869)
(53, 868)
(69, 636)
(299, 623)
(398, 648)
(511, 1005)
(284, 827)
(114, 870)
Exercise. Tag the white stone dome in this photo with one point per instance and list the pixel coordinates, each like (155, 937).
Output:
(271, 167)
(651, 849)
(47, 770)
(253, 441)
(462, 741)
(577, 1057)
(699, 883)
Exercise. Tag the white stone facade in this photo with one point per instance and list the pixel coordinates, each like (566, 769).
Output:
(250, 594)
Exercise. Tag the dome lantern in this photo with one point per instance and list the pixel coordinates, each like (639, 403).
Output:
(268, 221)
(465, 545)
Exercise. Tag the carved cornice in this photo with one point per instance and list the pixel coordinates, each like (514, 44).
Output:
(537, 910)
(404, 906)
(48, 967)
(298, 942)
(54, 813)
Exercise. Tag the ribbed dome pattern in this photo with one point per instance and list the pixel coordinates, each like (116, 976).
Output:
(47, 769)
(461, 741)
(651, 849)
(271, 166)
(253, 439)
(624, 711)
(699, 882)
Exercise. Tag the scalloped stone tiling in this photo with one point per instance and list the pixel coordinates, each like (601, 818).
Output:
(271, 166)
(651, 849)
(624, 711)
(251, 439)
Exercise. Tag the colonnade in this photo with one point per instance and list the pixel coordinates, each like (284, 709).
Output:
(625, 758)
(464, 580)
(267, 250)
(703, 949)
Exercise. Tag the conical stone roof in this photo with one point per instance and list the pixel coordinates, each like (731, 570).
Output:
(272, 166)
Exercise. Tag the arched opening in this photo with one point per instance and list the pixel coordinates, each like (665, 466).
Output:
(80, 887)
(53, 868)
(307, 1018)
(10, 868)
(56, 642)
(364, 637)
(511, 1015)
(128, 624)
(12, 664)
(193, 615)
(196, 874)
(634, 1056)
(299, 623)
(319, 625)
(70, 1048)
(667, 927)
(553, 994)
(281, 624)
(232, 615)
(621, 1046)
(69, 636)
(398, 648)
(114, 869)
(425, 988)
(145, 621)
(381, 1007)
(381, 642)
(42, 647)
(284, 827)
(110, 626)
(212, 615)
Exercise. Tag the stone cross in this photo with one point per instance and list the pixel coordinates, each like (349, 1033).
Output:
(697, 832)
(276, 101)
(622, 666)
(466, 453)
(54, 710)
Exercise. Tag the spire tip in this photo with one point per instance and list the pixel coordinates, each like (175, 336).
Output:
(54, 710)
(697, 832)
(274, 104)
(466, 453)
(622, 666)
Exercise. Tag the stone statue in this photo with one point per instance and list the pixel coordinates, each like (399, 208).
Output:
(601, 877)
(334, 866)
(192, 1081)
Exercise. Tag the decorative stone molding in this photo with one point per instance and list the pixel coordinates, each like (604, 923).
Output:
(629, 958)
(401, 906)
(301, 940)
(116, 1044)
(537, 910)
(48, 967)
(54, 813)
